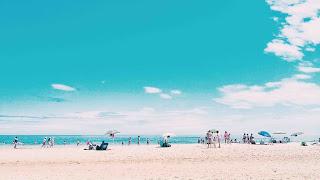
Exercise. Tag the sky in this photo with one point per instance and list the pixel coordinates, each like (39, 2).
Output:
(149, 67)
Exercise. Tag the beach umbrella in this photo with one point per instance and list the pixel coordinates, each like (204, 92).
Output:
(168, 134)
(112, 133)
(297, 134)
(264, 133)
(279, 132)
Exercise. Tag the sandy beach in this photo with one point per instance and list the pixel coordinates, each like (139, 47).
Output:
(193, 161)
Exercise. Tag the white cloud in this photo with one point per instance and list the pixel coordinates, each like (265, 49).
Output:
(62, 87)
(307, 67)
(288, 92)
(299, 32)
(152, 90)
(284, 50)
(165, 96)
(302, 76)
(175, 92)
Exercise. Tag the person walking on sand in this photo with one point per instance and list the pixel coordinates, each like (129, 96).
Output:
(15, 142)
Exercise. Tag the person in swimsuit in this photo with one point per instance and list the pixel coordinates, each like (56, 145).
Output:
(15, 142)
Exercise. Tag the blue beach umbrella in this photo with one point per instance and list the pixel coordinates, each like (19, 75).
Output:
(264, 133)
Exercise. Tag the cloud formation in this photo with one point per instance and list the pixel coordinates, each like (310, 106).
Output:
(162, 94)
(152, 90)
(62, 87)
(175, 92)
(307, 67)
(299, 32)
(295, 91)
(165, 96)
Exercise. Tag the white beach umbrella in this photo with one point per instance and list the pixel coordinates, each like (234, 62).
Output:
(279, 132)
(168, 134)
(112, 133)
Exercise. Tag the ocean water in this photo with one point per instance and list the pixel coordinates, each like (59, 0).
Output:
(72, 139)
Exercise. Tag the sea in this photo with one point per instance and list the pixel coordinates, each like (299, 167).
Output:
(118, 140)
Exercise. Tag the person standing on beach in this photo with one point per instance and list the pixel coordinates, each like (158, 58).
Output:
(251, 138)
(208, 137)
(15, 142)
(248, 139)
(138, 140)
(129, 141)
(49, 142)
(244, 138)
(44, 142)
(225, 137)
(148, 141)
(218, 139)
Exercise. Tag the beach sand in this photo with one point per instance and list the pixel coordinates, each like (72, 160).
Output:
(193, 161)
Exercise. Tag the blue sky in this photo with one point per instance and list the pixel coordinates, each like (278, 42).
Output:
(153, 66)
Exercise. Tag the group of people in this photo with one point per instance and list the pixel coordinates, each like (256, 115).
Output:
(246, 139)
(48, 142)
(213, 137)
(148, 141)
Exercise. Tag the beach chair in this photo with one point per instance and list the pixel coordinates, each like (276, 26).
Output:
(102, 147)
